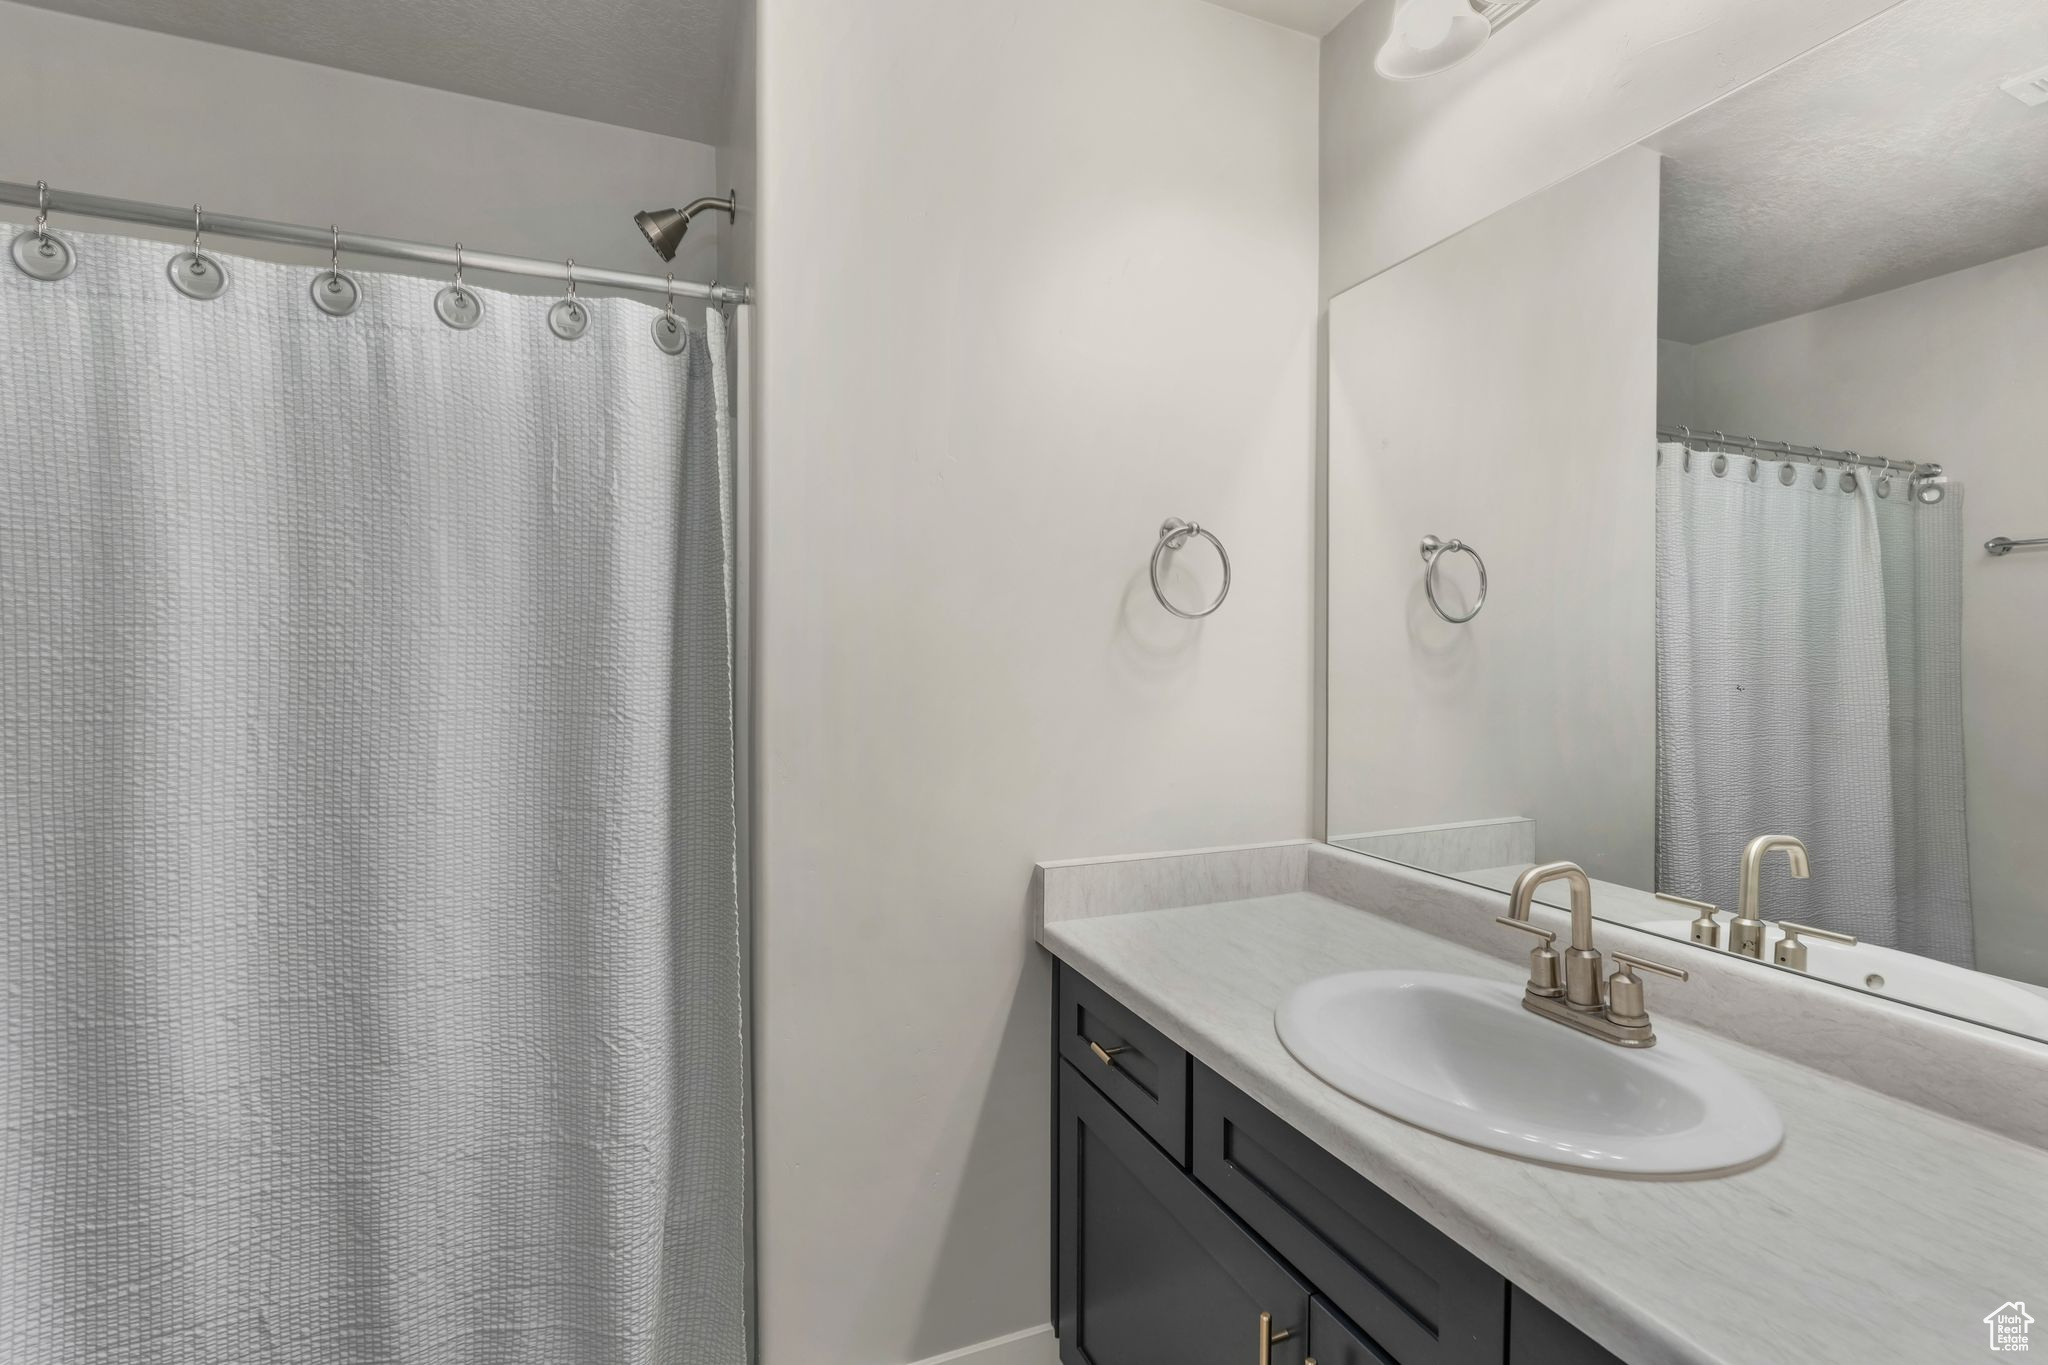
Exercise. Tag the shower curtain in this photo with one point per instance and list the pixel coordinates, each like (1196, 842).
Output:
(371, 963)
(1809, 682)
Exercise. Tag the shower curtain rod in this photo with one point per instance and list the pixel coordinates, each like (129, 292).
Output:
(1746, 444)
(354, 243)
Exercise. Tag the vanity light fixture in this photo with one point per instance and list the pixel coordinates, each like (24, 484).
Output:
(1429, 36)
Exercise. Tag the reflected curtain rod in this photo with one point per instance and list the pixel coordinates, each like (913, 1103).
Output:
(1744, 445)
(354, 243)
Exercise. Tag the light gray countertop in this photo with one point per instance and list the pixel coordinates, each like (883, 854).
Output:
(1880, 1232)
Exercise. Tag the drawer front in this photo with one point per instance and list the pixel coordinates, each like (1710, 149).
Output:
(1537, 1336)
(1419, 1296)
(1152, 1270)
(1333, 1341)
(1127, 1059)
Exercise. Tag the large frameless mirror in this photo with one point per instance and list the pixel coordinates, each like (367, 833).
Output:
(1689, 521)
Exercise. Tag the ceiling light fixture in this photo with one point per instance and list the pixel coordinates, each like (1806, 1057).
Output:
(1428, 36)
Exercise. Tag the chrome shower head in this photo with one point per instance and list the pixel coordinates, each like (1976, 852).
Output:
(666, 228)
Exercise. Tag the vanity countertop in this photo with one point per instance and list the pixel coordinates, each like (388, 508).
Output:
(1880, 1232)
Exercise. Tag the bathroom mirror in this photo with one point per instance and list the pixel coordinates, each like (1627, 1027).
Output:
(1730, 448)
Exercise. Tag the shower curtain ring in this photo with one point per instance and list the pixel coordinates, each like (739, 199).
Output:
(669, 332)
(334, 293)
(195, 274)
(40, 253)
(569, 319)
(457, 304)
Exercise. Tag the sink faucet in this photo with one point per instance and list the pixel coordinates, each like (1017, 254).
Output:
(1746, 934)
(1617, 1016)
(1581, 962)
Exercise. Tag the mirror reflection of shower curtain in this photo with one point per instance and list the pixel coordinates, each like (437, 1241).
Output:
(1809, 682)
(371, 966)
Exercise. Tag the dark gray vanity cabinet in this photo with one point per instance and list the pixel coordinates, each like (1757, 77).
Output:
(1189, 1220)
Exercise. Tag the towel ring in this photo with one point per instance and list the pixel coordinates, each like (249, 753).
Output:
(1173, 534)
(1433, 551)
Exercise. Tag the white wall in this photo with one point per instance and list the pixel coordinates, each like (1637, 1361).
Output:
(1947, 370)
(118, 111)
(1499, 388)
(1036, 277)
(739, 154)
(1567, 84)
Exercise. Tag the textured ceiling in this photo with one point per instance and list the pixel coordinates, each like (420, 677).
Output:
(658, 65)
(1886, 157)
(1315, 17)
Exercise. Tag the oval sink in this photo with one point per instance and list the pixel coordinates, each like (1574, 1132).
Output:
(1461, 1057)
(1906, 977)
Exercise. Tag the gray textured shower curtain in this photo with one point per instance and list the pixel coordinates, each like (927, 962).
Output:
(1809, 682)
(371, 961)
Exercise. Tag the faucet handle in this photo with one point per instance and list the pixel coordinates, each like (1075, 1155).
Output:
(1791, 951)
(1625, 989)
(1546, 969)
(1706, 930)
(1631, 960)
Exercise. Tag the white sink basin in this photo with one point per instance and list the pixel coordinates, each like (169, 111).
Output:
(1907, 977)
(1461, 1057)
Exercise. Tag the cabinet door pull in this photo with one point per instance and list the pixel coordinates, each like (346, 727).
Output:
(1268, 1338)
(1106, 1055)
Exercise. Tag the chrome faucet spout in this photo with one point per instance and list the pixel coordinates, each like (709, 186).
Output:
(1746, 934)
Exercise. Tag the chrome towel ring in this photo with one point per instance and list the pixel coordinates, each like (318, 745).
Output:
(1433, 551)
(1173, 534)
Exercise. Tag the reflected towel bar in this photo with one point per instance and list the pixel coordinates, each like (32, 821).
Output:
(2005, 545)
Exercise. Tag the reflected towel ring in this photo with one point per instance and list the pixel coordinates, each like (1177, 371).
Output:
(1173, 534)
(1433, 551)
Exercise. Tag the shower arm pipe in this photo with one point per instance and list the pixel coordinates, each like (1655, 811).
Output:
(358, 244)
(727, 204)
(1751, 445)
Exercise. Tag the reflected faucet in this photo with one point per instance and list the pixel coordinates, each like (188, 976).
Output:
(1746, 934)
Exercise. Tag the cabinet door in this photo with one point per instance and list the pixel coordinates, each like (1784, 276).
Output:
(1333, 1341)
(1418, 1295)
(1537, 1336)
(1152, 1270)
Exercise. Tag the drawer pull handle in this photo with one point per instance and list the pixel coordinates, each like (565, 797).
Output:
(1106, 1055)
(1268, 1338)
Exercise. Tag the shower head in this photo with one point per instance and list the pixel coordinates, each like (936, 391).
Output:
(666, 228)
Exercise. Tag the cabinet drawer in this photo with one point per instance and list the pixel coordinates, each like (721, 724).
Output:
(1128, 1060)
(1422, 1298)
(1152, 1270)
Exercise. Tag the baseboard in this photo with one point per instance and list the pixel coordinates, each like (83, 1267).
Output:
(1032, 1346)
